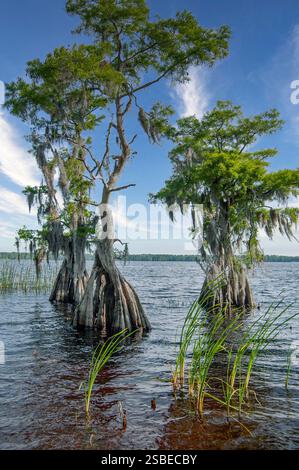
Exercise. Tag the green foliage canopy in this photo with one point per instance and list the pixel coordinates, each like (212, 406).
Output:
(80, 92)
(216, 163)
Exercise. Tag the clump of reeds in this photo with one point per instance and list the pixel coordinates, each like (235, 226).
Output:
(194, 323)
(251, 345)
(21, 277)
(99, 359)
(207, 338)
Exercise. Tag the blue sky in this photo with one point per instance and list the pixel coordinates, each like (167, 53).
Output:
(263, 61)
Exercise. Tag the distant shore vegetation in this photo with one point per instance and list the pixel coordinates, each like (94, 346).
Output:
(157, 257)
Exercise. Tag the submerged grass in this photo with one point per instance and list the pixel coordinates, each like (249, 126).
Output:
(21, 277)
(100, 357)
(208, 337)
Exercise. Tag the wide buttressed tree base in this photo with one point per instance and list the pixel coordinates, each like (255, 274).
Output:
(234, 291)
(112, 304)
(72, 277)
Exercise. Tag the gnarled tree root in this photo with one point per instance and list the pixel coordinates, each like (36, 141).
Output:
(68, 287)
(229, 289)
(110, 304)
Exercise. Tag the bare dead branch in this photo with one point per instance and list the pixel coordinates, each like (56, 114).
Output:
(133, 140)
(120, 188)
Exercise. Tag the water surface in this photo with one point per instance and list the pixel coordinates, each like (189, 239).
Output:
(46, 359)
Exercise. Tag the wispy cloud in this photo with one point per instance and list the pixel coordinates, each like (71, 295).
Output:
(19, 167)
(7, 230)
(192, 97)
(15, 162)
(14, 214)
(13, 203)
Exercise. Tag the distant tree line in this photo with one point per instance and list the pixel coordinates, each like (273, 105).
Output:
(156, 257)
(280, 258)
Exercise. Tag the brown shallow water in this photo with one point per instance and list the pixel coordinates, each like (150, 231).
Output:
(46, 359)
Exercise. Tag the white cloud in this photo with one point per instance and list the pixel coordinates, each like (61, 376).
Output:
(13, 203)
(192, 97)
(17, 165)
(14, 214)
(15, 162)
(7, 230)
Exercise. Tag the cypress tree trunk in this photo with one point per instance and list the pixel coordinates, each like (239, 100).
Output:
(226, 284)
(72, 278)
(110, 303)
(227, 287)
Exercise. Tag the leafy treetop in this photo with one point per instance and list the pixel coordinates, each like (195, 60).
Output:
(216, 163)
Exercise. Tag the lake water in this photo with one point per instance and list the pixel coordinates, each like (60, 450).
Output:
(41, 406)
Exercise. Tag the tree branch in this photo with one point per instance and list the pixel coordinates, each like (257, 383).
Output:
(120, 188)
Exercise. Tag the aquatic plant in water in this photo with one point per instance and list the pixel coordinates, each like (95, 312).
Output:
(208, 346)
(20, 277)
(99, 359)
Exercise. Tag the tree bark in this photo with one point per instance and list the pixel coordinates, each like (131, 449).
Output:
(72, 278)
(227, 288)
(226, 284)
(110, 303)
